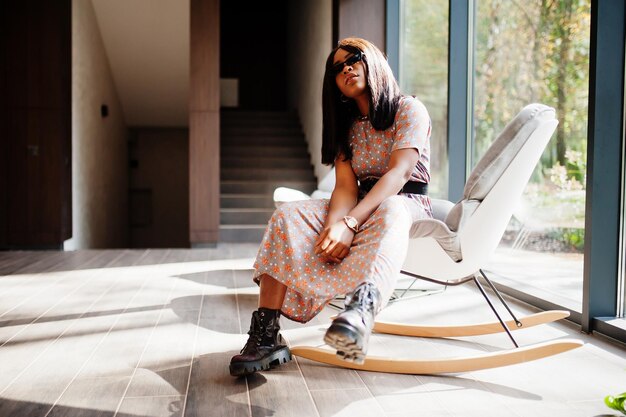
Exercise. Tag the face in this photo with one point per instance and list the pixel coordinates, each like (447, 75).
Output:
(350, 73)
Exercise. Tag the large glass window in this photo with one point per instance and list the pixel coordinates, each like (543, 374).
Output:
(538, 51)
(423, 72)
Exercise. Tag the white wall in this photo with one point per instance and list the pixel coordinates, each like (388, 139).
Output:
(310, 41)
(147, 44)
(99, 145)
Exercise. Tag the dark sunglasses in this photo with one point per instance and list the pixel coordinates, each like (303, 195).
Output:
(353, 59)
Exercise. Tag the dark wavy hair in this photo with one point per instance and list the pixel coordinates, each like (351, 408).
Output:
(338, 116)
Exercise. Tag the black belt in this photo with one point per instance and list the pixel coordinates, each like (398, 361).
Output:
(411, 187)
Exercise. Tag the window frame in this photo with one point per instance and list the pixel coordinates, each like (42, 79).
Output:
(605, 231)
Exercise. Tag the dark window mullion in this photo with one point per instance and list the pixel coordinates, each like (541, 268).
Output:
(460, 111)
(393, 36)
(602, 211)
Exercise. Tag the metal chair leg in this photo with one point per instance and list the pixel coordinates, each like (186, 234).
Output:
(493, 287)
(401, 294)
(408, 288)
(504, 326)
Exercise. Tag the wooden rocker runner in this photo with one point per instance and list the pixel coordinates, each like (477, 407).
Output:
(451, 248)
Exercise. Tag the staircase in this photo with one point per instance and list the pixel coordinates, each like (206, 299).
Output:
(260, 151)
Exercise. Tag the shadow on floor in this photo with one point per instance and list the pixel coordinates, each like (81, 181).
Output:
(212, 390)
(10, 407)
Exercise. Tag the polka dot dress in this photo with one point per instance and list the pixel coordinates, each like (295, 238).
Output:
(378, 250)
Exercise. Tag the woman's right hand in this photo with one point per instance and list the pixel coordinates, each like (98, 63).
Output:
(333, 244)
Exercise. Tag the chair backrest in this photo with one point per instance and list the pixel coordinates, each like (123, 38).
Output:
(496, 184)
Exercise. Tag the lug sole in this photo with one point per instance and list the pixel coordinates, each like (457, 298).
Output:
(348, 341)
(278, 357)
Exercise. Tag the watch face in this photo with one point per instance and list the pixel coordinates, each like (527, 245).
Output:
(351, 222)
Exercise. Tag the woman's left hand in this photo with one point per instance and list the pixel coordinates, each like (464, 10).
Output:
(333, 244)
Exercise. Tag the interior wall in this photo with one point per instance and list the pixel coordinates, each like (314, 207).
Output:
(364, 19)
(309, 43)
(159, 204)
(147, 46)
(100, 152)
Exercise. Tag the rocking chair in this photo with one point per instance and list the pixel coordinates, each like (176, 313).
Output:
(452, 249)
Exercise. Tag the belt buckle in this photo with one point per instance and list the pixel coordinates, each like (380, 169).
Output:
(364, 190)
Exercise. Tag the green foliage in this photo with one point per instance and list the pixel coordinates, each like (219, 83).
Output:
(573, 238)
(524, 52)
(616, 403)
(554, 207)
(533, 51)
(424, 73)
(576, 165)
(573, 175)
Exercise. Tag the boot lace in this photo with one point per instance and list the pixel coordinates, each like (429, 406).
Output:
(255, 333)
(362, 299)
(263, 329)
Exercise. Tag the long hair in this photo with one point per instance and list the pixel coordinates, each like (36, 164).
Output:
(384, 99)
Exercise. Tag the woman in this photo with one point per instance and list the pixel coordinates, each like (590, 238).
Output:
(354, 243)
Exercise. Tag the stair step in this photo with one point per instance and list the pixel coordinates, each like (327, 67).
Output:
(228, 150)
(296, 141)
(260, 151)
(229, 174)
(260, 131)
(260, 122)
(262, 114)
(245, 215)
(247, 200)
(267, 162)
(242, 233)
(253, 187)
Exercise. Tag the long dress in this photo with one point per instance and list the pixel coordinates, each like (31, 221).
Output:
(378, 249)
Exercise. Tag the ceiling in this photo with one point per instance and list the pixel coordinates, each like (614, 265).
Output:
(147, 43)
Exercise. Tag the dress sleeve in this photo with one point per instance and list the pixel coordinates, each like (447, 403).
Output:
(412, 126)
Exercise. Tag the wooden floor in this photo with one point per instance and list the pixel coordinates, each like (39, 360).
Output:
(151, 332)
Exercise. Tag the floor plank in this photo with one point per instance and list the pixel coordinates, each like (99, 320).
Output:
(164, 406)
(346, 403)
(124, 333)
(211, 389)
(78, 399)
(117, 343)
(280, 393)
(55, 365)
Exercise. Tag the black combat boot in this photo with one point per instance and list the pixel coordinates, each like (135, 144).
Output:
(350, 331)
(265, 346)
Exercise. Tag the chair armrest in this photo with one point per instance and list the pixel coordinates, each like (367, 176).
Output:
(285, 195)
(319, 194)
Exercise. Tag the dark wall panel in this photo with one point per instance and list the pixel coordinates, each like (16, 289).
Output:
(35, 123)
(204, 129)
(361, 18)
(254, 50)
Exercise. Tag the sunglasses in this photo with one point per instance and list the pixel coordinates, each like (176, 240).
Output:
(353, 59)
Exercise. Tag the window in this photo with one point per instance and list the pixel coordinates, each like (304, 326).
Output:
(527, 52)
(423, 72)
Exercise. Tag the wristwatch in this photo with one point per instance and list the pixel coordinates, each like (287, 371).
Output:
(352, 223)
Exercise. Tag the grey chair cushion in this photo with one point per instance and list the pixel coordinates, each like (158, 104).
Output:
(495, 161)
(459, 214)
(441, 208)
(439, 231)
